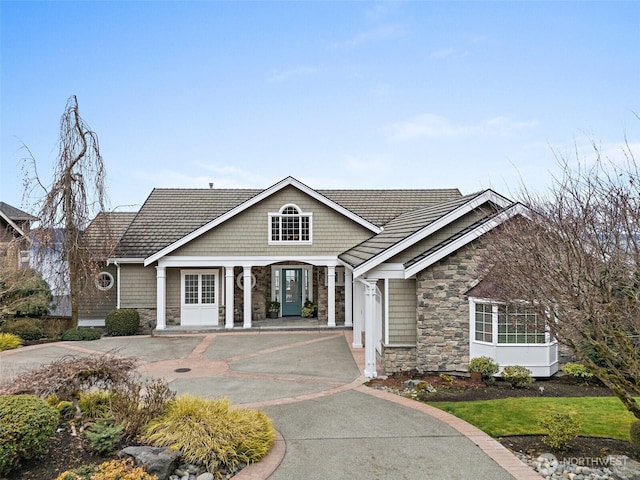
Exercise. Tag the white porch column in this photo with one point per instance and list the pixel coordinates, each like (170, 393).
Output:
(331, 296)
(348, 298)
(369, 329)
(358, 307)
(246, 277)
(228, 289)
(161, 281)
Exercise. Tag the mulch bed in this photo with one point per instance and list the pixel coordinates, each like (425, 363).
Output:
(463, 389)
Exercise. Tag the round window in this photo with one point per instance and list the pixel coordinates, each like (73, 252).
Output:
(240, 281)
(104, 281)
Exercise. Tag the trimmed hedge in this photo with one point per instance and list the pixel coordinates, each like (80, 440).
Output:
(27, 424)
(123, 321)
(80, 333)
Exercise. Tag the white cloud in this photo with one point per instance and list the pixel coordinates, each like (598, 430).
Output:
(435, 126)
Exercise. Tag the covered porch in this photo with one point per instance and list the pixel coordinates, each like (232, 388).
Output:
(210, 292)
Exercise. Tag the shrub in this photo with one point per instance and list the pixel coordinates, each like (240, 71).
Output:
(9, 341)
(80, 333)
(27, 423)
(485, 365)
(65, 408)
(135, 404)
(446, 378)
(113, 470)
(577, 371)
(67, 376)
(104, 435)
(212, 433)
(95, 403)
(562, 428)
(634, 434)
(123, 321)
(26, 328)
(517, 375)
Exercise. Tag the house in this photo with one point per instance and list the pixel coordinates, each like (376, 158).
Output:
(15, 241)
(399, 267)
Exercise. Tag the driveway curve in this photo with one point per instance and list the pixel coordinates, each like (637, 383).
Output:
(309, 383)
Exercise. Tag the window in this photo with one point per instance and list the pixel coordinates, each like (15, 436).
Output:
(514, 324)
(290, 225)
(104, 281)
(484, 322)
(519, 325)
(199, 288)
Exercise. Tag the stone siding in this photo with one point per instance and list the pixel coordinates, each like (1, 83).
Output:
(442, 314)
(398, 359)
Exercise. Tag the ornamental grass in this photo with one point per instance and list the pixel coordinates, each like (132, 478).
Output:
(212, 433)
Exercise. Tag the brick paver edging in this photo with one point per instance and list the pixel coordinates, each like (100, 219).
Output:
(265, 467)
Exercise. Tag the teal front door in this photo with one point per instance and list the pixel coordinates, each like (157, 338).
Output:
(292, 295)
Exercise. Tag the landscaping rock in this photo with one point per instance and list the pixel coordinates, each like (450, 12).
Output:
(611, 468)
(156, 461)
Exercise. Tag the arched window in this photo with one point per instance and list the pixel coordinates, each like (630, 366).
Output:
(290, 225)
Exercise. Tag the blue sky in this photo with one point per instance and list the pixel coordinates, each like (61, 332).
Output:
(337, 94)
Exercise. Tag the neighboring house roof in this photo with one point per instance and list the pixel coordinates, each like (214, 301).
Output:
(15, 217)
(16, 214)
(411, 227)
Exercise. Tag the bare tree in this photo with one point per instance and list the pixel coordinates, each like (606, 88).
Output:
(76, 195)
(576, 260)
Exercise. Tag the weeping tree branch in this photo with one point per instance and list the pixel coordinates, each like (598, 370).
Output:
(76, 195)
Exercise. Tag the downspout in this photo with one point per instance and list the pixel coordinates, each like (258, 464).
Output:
(118, 287)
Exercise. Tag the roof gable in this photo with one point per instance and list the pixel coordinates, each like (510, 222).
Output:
(462, 238)
(251, 201)
(411, 227)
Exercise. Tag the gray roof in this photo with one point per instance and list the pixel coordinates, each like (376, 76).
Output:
(16, 214)
(169, 214)
(381, 206)
(106, 230)
(400, 228)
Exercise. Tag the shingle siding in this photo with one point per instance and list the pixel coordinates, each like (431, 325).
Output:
(402, 312)
(138, 288)
(247, 233)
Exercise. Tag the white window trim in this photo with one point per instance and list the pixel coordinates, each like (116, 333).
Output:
(300, 215)
(494, 325)
(199, 272)
(104, 288)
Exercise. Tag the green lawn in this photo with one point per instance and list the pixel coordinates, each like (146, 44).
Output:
(600, 416)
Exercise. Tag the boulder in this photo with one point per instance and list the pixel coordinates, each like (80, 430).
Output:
(155, 460)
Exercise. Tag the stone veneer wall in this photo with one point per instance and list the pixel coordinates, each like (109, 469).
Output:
(398, 359)
(321, 293)
(442, 314)
(149, 318)
(260, 294)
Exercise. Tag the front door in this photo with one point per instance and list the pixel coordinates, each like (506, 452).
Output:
(292, 295)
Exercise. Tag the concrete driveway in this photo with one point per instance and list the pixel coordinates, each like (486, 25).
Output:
(309, 383)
